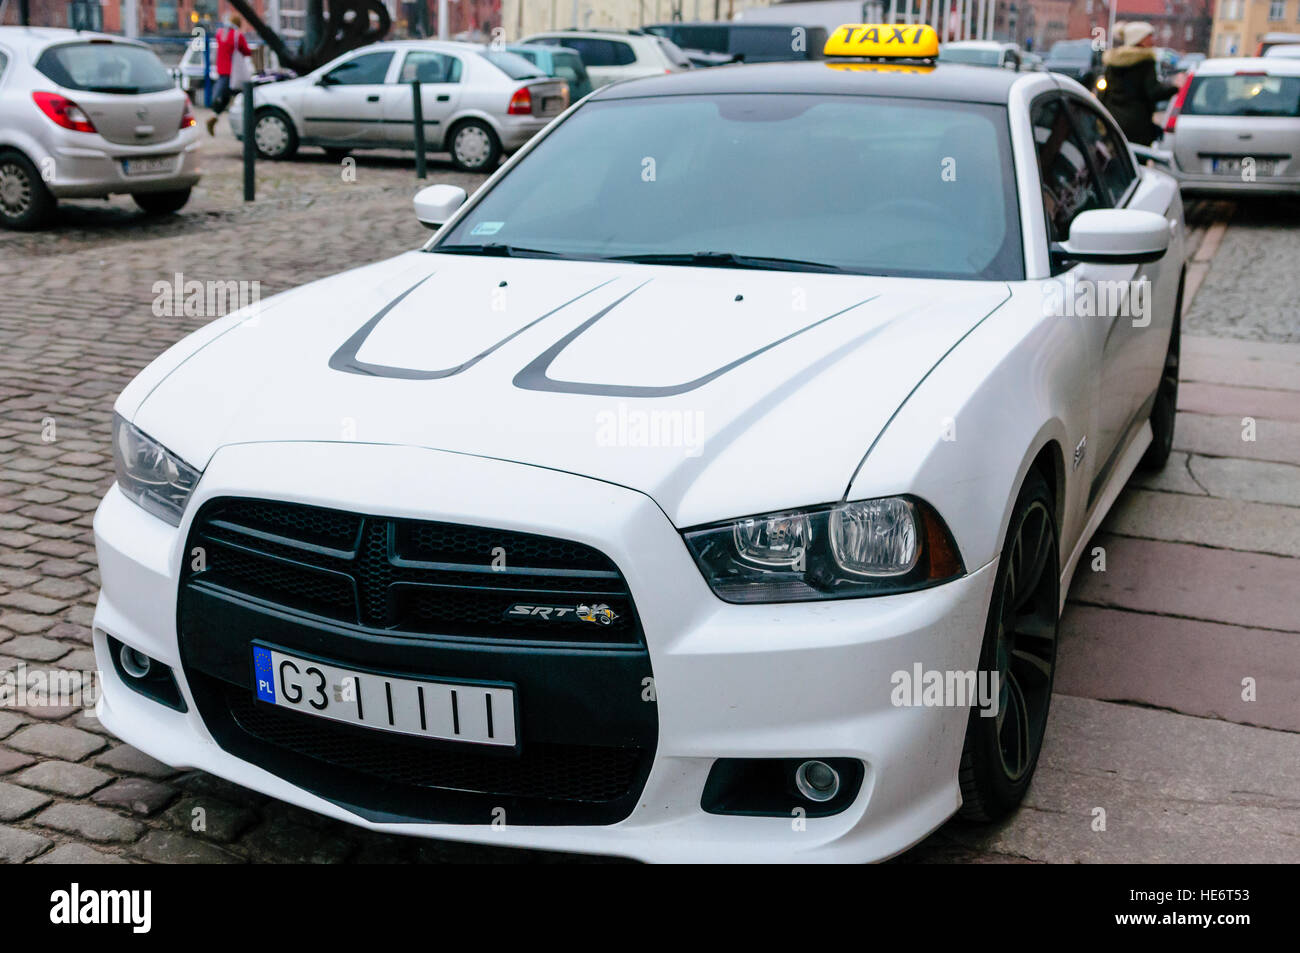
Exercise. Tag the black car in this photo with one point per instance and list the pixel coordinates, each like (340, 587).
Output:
(1076, 59)
(744, 42)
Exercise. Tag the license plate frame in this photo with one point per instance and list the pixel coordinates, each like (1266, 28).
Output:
(458, 712)
(1232, 165)
(149, 165)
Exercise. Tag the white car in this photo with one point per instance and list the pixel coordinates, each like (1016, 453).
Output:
(681, 510)
(614, 55)
(476, 102)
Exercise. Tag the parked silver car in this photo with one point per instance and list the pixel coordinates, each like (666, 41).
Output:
(88, 115)
(477, 103)
(1234, 128)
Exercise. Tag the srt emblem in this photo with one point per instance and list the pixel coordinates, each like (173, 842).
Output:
(599, 613)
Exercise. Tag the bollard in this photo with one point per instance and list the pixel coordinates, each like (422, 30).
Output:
(417, 121)
(250, 148)
(207, 69)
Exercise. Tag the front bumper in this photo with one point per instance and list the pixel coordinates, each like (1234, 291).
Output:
(95, 169)
(767, 681)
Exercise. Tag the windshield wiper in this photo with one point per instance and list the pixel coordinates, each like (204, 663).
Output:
(726, 259)
(495, 249)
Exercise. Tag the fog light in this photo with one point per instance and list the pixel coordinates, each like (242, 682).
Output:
(135, 663)
(817, 781)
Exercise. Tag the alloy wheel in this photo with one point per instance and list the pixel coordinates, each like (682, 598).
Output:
(15, 190)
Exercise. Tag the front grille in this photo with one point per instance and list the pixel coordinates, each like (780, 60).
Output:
(411, 576)
(583, 773)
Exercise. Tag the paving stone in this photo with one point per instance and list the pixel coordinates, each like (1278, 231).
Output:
(30, 602)
(1229, 524)
(16, 802)
(1252, 480)
(137, 795)
(172, 847)
(18, 846)
(13, 760)
(60, 589)
(92, 823)
(211, 818)
(1277, 441)
(25, 623)
(36, 649)
(64, 777)
(56, 741)
(1222, 400)
(9, 723)
(130, 760)
(78, 854)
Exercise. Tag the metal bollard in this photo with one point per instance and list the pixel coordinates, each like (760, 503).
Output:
(417, 121)
(250, 148)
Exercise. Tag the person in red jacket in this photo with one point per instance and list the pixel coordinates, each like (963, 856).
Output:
(231, 50)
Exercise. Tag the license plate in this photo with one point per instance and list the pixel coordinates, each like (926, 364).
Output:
(149, 166)
(552, 104)
(450, 711)
(1235, 165)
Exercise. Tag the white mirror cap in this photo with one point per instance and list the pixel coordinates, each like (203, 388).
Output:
(1119, 233)
(437, 203)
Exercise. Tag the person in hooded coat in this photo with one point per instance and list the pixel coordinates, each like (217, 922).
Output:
(1132, 87)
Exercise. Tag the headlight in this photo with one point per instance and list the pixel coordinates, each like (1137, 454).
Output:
(151, 474)
(866, 548)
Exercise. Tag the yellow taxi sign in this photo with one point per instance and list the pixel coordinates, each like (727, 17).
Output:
(894, 41)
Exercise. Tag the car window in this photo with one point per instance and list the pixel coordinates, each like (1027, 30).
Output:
(872, 195)
(429, 67)
(104, 68)
(512, 64)
(568, 65)
(598, 52)
(765, 43)
(533, 56)
(1068, 183)
(1108, 149)
(369, 69)
(1255, 94)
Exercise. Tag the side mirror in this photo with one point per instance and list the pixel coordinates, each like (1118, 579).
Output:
(437, 203)
(1115, 236)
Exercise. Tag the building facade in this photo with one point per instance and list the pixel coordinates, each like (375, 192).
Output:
(1239, 25)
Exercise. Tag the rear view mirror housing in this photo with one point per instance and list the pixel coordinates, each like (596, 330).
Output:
(438, 203)
(1115, 236)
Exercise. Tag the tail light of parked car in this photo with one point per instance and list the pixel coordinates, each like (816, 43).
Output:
(1177, 105)
(187, 117)
(62, 111)
(521, 103)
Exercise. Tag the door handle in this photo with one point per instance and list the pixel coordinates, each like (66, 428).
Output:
(372, 99)
(444, 98)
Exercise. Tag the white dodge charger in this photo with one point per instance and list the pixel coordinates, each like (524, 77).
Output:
(707, 488)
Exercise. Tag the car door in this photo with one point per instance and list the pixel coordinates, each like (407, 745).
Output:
(440, 76)
(344, 106)
(1070, 186)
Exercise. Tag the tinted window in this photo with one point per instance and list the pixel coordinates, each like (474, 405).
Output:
(1239, 95)
(870, 195)
(512, 64)
(597, 52)
(1071, 51)
(366, 70)
(1109, 152)
(711, 38)
(1068, 184)
(429, 67)
(104, 68)
(767, 43)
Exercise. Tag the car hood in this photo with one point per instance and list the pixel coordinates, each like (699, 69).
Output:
(717, 392)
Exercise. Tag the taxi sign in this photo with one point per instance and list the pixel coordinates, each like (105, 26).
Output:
(884, 40)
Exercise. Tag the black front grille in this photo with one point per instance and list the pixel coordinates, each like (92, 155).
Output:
(412, 576)
(565, 772)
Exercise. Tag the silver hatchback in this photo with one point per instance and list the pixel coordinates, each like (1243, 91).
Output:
(87, 115)
(1234, 128)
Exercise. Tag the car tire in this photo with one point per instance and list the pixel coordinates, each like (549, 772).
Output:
(25, 202)
(1001, 751)
(274, 136)
(1164, 412)
(474, 147)
(162, 203)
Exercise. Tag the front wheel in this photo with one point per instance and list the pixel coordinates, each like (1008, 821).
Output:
(274, 135)
(474, 146)
(1164, 413)
(1018, 656)
(162, 203)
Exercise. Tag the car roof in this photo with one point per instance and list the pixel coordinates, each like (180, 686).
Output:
(1279, 65)
(956, 81)
(38, 37)
(976, 45)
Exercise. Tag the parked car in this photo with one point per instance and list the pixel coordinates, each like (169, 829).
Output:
(87, 115)
(1270, 40)
(981, 53)
(189, 71)
(1076, 59)
(478, 103)
(745, 42)
(1234, 127)
(560, 62)
(1289, 51)
(1189, 61)
(612, 55)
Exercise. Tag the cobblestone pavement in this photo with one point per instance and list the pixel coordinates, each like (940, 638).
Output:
(76, 325)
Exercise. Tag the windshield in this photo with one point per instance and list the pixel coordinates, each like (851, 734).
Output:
(512, 64)
(1243, 95)
(979, 57)
(1071, 51)
(860, 184)
(104, 68)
